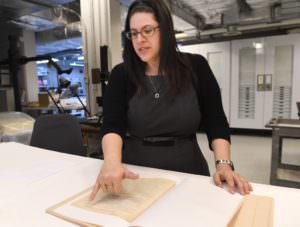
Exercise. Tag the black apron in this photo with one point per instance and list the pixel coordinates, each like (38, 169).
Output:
(175, 119)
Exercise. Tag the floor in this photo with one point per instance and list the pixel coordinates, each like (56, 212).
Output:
(252, 155)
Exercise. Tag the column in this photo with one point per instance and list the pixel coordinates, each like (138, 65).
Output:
(28, 73)
(101, 25)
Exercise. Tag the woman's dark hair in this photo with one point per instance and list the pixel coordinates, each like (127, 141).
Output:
(171, 63)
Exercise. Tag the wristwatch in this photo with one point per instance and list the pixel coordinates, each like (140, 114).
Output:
(228, 162)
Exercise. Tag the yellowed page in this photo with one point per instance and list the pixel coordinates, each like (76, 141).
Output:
(52, 210)
(136, 197)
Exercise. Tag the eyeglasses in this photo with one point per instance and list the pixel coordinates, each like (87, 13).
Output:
(146, 32)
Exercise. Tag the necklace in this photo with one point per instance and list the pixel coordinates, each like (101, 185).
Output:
(156, 93)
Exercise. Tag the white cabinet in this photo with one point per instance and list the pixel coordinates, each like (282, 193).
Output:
(283, 62)
(265, 80)
(218, 57)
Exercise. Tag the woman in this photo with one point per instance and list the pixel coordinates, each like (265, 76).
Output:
(154, 104)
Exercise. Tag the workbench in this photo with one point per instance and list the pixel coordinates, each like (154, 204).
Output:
(283, 128)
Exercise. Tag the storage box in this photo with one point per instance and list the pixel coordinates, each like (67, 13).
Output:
(15, 126)
(43, 99)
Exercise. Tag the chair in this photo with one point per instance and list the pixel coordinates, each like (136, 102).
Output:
(298, 106)
(59, 132)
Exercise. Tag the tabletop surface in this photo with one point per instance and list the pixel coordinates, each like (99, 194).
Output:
(33, 179)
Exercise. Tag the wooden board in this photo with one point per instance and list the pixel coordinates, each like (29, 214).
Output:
(255, 211)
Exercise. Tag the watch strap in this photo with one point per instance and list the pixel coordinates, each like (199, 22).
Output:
(223, 161)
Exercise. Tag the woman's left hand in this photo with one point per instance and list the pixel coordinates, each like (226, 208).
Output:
(224, 174)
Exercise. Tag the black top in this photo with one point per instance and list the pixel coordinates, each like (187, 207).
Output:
(148, 116)
(175, 120)
(120, 90)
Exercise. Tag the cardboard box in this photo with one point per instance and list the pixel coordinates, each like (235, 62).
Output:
(43, 99)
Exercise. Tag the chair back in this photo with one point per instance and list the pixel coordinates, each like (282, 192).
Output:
(59, 132)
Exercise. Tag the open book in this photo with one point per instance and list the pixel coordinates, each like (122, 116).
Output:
(118, 210)
(212, 206)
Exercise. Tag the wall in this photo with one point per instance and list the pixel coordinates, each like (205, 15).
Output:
(6, 30)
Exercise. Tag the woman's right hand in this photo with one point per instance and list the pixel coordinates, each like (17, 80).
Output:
(110, 178)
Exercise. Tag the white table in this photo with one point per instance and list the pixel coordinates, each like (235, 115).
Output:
(32, 179)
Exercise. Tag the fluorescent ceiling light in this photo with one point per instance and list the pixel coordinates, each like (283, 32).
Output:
(75, 64)
(181, 35)
(42, 62)
(258, 45)
(46, 61)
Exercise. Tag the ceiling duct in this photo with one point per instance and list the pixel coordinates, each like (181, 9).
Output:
(187, 13)
(36, 15)
(242, 14)
(46, 3)
(14, 9)
(42, 20)
(71, 30)
(60, 47)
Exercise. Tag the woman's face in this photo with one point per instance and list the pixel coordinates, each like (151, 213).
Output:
(145, 36)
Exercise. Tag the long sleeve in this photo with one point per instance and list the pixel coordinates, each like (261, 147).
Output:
(214, 121)
(115, 103)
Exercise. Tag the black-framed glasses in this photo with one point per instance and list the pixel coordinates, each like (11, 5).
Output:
(146, 32)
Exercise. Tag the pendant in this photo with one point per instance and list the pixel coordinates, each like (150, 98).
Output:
(156, 95)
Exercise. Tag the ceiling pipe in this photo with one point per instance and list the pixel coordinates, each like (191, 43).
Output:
(282, 24)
